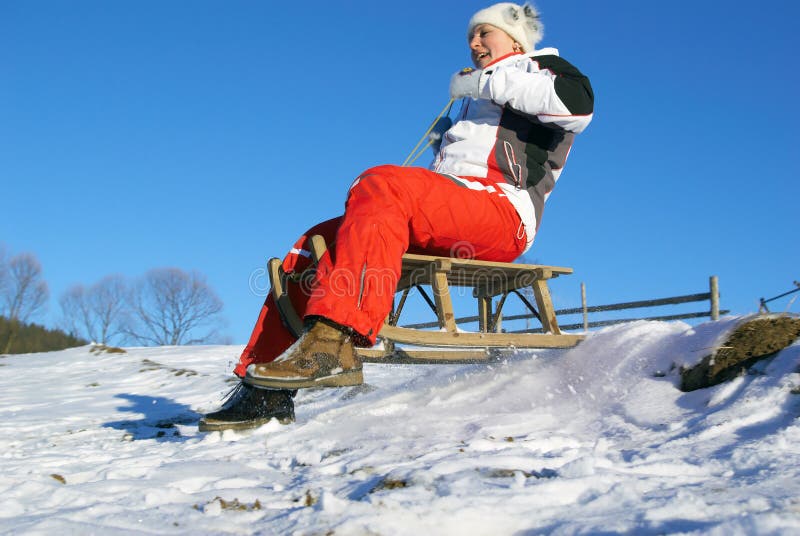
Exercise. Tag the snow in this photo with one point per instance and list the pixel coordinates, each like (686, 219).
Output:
(594, 439)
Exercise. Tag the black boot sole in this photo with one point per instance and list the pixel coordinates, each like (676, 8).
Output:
(213, 425)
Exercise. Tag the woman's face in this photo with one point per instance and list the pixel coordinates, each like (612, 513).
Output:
(489, 43)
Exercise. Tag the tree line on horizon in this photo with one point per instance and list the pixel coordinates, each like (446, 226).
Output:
(165, 306)
(27, 338)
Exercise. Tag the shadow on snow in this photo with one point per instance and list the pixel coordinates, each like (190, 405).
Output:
(160, 418)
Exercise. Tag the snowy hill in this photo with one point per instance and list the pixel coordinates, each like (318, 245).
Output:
(588, 440)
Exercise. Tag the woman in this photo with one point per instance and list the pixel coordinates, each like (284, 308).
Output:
(485, 192)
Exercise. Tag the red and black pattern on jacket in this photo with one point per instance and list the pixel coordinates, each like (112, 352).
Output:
(528, 151)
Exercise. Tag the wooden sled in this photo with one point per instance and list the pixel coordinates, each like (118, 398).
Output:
(488, 280)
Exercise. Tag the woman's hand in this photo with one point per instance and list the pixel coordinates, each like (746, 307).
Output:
(466, 83)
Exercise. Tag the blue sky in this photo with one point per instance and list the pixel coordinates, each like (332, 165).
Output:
(207, 135)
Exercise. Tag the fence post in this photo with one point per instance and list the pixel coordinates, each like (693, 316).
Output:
(583, 306)
(714, 287)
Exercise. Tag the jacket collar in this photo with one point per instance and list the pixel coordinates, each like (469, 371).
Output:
(502, 59)
(508, 58)
(549, 51)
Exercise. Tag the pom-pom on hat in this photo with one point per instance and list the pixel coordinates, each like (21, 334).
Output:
(520, 22)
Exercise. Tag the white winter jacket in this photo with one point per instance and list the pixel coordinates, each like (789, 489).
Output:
(519, 132)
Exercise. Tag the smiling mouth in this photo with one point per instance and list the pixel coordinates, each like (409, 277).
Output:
(480, 58)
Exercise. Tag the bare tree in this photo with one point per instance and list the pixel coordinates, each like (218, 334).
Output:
(76, 317)
(168, 306)
(97, 313)
(3, 273)
(108, 302)
(25, 293)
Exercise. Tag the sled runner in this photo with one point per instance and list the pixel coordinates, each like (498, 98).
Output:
(491, 284)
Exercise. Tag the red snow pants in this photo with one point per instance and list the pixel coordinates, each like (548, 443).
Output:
(389, 210)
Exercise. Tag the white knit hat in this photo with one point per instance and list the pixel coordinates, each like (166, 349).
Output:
(520, 22)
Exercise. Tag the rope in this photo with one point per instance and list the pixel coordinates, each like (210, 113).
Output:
(420, 153)
(414, 154)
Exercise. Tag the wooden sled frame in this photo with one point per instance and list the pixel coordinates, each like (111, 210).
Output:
(488, 281)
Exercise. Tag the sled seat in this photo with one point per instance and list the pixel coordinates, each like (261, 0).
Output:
(491, 284)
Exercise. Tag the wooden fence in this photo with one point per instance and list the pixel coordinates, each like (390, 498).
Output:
(762, 307)
(712, 297)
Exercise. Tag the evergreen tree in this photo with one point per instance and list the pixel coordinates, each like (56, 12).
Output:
(20, 338)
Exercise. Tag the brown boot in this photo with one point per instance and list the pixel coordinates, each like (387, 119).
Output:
(324, 356)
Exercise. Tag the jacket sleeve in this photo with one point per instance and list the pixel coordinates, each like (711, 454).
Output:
(548, 88)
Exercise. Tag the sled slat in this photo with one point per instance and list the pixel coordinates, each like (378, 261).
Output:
(411, 260)
(441, 295)
(281, 297)
(499, 340)
(484, 313)
(545, 304)
(318, 248)
(487, 277)
(424, 356)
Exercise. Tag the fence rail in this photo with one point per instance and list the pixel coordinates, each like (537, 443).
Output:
(712, 296)
(762, 307)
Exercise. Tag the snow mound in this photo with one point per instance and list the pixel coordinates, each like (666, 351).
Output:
(592, 439)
